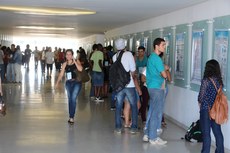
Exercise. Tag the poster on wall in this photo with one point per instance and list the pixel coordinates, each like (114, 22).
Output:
(197, 46)
(179, 57)
(221, 51)
(167, 48)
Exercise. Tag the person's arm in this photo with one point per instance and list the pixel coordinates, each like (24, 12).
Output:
(168, 73)
(135, 80)
(100, 62)
(61, 74)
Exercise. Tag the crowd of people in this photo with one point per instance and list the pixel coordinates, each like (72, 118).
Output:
(145, 94)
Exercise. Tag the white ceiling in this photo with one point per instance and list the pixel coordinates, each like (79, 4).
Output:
(110, 14)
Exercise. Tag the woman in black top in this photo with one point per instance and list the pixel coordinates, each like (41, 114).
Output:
(73, 87)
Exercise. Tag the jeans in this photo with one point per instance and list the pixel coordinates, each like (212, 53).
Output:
(155, 112)
(18, 72)
(2, 71)
(144, 104)
(130, 93)
(113, 99)
(73, 89)
(206, 125)
(10, 72)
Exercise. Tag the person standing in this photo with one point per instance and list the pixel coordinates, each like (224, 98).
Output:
(36, 57)
(2, 68)
(73, 87)
(129, 91)
(17, 65)
(28, 52)
(10, 73)
(97, 74)
(206, 98)
(155, 76)
(141, 63)
(49, 61)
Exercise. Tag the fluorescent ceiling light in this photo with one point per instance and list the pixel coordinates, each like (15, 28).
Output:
(44, 28)
(46, 10)
(46, 34)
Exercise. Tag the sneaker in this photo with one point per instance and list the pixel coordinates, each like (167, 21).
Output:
(117, 131)
(133, 131)
(159, 131)
(145, 138)
(113, 108)
(127, 126)
(99, 99)
(158, 141)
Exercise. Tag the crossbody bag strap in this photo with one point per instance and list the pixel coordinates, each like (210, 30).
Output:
(213, 83)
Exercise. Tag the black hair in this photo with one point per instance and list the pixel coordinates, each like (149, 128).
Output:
(212, 69)
(109, 47)
(141, 47)
(100, 47)
(157, 42)
(69, 50)
(95, 47)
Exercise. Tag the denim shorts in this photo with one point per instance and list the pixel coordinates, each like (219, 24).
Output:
(98, 78)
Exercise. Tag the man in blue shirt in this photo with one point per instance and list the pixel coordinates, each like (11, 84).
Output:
(155, 75)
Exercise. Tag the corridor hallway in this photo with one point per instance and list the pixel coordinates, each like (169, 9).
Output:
(36, 122)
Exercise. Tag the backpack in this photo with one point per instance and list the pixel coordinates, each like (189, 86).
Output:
(118, 76)
(193, 133)
(219, 110)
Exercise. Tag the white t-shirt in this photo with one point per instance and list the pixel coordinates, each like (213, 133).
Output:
(49, 57)
(128, 63)
(144, 73)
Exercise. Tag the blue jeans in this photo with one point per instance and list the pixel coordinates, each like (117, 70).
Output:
(10, 76)
(113, 99)
(154, 116)
(2, 71)
(73, 89)
(130, 93)
(206, 125)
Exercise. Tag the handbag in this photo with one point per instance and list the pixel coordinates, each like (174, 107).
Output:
(82, 76)
(219, 110)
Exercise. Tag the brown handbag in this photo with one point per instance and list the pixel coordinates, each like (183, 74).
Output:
(219, 110)
(82, 76)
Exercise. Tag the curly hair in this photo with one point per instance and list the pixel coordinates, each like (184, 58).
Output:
(212, 69)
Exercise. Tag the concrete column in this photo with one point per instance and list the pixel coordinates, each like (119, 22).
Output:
(189, 55)
(174, 52)
(210, 39)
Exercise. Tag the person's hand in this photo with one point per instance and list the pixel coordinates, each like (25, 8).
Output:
(139, 92)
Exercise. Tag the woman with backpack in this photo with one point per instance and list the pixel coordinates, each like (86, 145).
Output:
(206, 98)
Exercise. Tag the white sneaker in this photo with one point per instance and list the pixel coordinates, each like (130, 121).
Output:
(158, 141)
(99, 99)
(159, 131)
(145, 138)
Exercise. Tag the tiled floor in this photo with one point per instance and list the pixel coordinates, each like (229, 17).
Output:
(36, 122)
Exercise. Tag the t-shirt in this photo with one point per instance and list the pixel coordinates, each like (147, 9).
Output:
(96, 57)
(49, 57)
(153, 71)
(128, 63)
